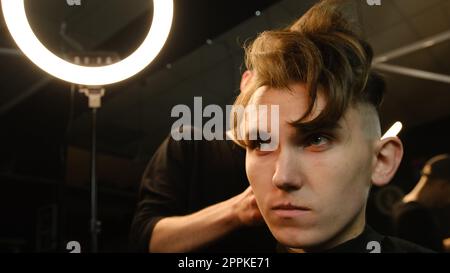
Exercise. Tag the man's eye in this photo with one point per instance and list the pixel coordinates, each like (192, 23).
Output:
(317, 140)
(256, 144)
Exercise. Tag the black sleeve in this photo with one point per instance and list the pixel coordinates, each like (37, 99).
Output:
(162, 192)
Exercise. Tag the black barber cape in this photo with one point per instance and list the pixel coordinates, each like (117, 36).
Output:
(370, 241)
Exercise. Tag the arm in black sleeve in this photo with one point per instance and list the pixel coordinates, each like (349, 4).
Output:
(161, 191)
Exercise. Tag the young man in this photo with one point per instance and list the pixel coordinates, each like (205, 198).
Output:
(312, 188)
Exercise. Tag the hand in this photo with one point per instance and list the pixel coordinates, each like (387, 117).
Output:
(446, 244)
(245, 208)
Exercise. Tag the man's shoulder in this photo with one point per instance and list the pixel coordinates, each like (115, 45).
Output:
(396, 245)
(391, 244)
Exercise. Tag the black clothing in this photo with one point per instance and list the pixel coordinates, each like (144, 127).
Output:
(370, 241)
(186, 176)
(388, 244)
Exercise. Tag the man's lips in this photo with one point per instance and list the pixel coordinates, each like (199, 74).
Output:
(288, 210)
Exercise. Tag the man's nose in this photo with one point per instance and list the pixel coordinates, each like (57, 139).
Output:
(287, 176)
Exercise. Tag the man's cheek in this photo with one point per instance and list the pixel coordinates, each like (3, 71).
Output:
(260, 181)
(250, 169)
(255, 177)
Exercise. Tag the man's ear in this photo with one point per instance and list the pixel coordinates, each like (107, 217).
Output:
(388, 155)
(245, 79)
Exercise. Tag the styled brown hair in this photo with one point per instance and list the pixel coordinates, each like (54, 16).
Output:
(321, 50)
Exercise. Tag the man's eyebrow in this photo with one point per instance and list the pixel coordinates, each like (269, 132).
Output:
(314, 126)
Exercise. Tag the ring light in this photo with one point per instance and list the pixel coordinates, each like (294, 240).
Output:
(19, 27)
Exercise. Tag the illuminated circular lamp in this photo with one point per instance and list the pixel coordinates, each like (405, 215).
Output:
(19, 27)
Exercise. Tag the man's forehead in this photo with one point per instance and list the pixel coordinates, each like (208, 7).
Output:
(293, 101)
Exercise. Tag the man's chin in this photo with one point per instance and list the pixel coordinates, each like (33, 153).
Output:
(294, 237)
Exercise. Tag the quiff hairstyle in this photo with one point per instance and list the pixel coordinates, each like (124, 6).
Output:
(321, 50)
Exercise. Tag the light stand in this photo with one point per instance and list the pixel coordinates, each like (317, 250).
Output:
(94, 95)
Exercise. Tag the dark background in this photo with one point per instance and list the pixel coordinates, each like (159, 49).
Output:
(44, 126)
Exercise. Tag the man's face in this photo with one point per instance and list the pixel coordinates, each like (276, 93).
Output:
(312, 189)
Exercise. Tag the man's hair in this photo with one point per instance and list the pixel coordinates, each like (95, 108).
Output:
(322, 51)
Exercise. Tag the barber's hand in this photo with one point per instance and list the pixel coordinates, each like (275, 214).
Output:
(446, 244)
(245, 208)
